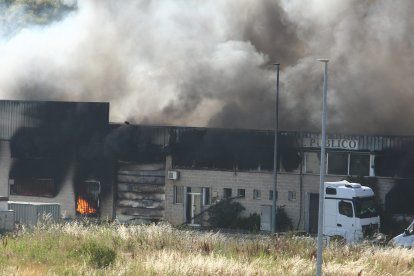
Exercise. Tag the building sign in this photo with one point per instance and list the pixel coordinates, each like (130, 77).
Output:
(347, 144)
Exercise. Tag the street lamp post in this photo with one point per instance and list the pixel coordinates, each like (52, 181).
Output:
(322, 171)
(274, 208)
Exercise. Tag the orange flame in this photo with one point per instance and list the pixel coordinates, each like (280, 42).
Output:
(83, 207)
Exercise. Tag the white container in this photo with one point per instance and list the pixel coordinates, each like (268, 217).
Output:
(7, 220)
(30, 213)
(4, 203)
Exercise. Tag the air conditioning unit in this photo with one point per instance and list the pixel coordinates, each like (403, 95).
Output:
(173, 175)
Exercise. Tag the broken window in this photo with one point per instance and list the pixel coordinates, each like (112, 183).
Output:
(290, 160)
(29, 186)
(88, 198)
(34, 177)
(359, 164)
(312, 162)
(227, 193)
(338, 163)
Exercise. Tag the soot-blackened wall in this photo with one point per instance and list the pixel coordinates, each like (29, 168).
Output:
(54, 147)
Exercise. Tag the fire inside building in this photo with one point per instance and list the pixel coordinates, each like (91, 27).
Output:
(68, 153)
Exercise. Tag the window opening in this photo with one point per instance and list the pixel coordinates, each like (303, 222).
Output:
(178, 194)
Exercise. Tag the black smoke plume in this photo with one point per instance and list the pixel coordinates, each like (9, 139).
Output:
(209, 63)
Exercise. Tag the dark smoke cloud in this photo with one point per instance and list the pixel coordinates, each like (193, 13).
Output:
(210, 62)
(370, 86)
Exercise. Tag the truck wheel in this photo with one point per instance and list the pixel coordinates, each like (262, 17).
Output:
(337, 239)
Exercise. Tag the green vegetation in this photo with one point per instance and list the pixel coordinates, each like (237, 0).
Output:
(81, 248)
(98, 255)
(227, 214)
(283, 222)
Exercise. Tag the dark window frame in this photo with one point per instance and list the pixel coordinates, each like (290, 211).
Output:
(357, 165)
(206, 196)
(241, 193)
(178, 194)
(33, 186)
(257, 194)
(227, 192)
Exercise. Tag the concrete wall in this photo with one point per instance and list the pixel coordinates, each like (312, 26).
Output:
(297, 209)
(218, 180)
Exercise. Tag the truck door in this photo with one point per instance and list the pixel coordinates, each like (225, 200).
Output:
(346, 220)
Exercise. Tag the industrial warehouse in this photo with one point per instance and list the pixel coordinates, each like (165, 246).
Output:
(70, 154)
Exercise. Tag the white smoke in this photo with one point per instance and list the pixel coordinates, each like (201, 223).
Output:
(137, 55)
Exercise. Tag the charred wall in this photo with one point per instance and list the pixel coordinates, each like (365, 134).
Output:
(137, 144)
(50, 141)
(226, 149)
(398, 163)
(395, 162)
(141, 153)
(399, 199)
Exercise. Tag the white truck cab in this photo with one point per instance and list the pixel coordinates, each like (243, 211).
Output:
(349, 211)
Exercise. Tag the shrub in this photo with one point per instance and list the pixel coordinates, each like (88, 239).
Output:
(251, 223)
(98, 255)
(283, 222)
(225, 214)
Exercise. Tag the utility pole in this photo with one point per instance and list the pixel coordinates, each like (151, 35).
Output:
(322, 171)
(274, 207)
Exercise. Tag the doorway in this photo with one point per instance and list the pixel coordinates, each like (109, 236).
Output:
(265, 217)
(313, 213)
(193, 209)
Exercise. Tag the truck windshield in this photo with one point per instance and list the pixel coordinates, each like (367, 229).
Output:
(365, 207)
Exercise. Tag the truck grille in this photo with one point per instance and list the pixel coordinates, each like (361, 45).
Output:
(369, 230)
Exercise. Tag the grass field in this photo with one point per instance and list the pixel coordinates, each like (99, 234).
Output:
(81, 248)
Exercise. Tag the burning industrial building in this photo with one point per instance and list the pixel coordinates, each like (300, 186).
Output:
(69, 154)
(53, 152)
(202, 64)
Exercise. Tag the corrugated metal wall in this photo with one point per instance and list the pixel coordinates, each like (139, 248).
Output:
(30, 213)
(17, 114)
(365, 142)
(141, 192)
